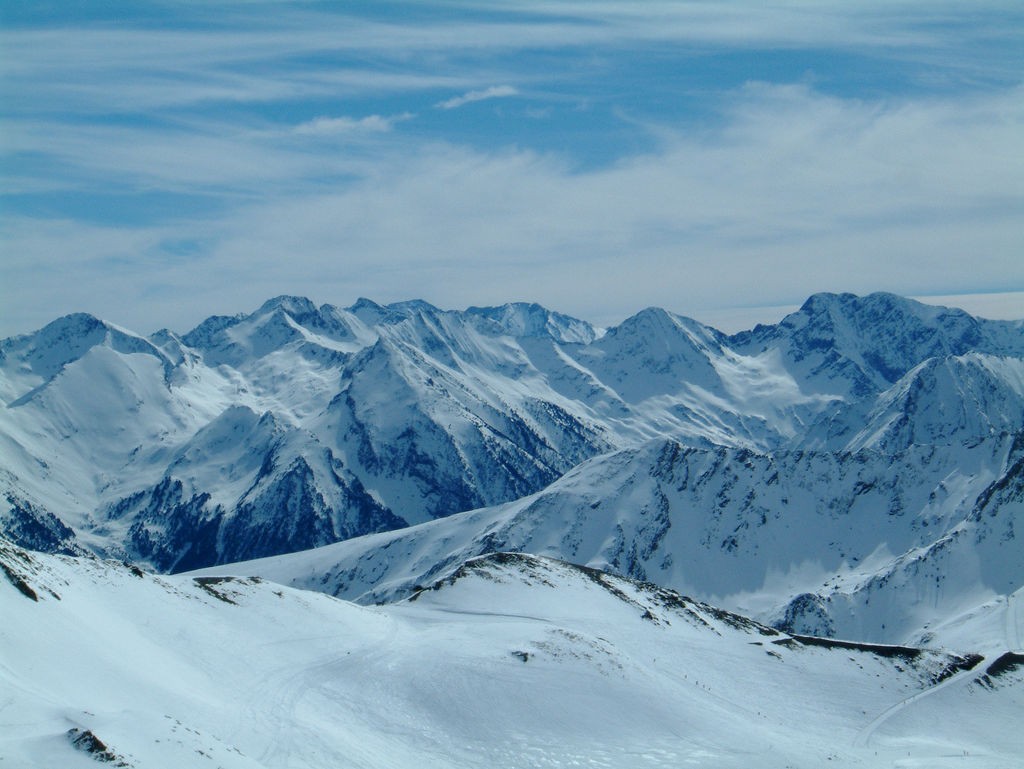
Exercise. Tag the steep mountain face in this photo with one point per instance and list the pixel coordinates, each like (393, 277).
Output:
(297, 426)
(940, 402)
(268, 497)
(915, 518)
(857, 545)
(860, 345)
(511, 661)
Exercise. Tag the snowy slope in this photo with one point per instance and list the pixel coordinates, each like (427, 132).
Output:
(513, 661)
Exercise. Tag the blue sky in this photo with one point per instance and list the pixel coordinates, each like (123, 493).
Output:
(161, 162)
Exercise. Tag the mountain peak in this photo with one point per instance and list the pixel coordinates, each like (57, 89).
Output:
(296, 306)
(877, 306)
(203, 335)
(71, 325)
(68, 338)
(529, 319)
(866, 343)
(373, 314)
(410, 306)
(655, 322)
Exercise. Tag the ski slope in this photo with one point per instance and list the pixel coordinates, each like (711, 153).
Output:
(513, 661)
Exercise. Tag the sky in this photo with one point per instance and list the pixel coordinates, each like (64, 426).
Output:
(161, 162)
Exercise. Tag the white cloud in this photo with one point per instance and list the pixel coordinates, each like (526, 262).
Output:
(494, 92)
(798, 193)
(244, 59)
(328, 126)
(790, 192)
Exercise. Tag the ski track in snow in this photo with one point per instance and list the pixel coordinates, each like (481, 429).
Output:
(495, 614)
(289, 685)
(1012, 623)
(964, 677)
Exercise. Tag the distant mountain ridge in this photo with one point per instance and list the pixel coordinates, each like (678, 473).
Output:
(298, 426)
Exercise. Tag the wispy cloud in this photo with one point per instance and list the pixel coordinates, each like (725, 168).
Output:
(876, 145)
(330, 126)
(307, 54)
(494, 92)
(797, 192)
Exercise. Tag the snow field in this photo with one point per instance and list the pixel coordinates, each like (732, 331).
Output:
(515, 662)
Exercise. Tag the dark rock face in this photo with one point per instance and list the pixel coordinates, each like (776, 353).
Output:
(33, 528)
(807, 614)
(285, 512)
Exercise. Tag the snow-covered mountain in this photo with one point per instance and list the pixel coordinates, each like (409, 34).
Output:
(296, 426)
(182, 451)
(860, 345)
(853, 470)
(828, 543)
(512, 661)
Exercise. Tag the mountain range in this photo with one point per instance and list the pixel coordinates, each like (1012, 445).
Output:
(548, 488)
(863, 448)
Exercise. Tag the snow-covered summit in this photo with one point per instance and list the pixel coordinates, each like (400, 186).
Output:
(32, 360)
(522, 319)
(856, 471)
(867, 343)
